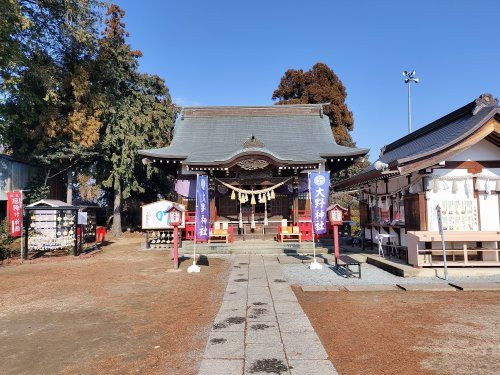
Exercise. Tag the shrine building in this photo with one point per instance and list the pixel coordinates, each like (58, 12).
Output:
(452, 163)
(257, 159)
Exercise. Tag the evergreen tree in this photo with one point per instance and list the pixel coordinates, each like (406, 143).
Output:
(138, 113)
(319, 85)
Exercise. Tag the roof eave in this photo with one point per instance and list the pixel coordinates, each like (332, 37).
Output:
(161, 156)
(404, 165)
(358, 152)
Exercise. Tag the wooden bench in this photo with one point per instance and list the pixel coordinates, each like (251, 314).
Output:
(291, 237)
(345, 261)
(218, 237)
(289, 233)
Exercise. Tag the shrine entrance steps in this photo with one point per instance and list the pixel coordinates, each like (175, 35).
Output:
(253, 247)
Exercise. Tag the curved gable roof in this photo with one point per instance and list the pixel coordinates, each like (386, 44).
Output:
(289, 133)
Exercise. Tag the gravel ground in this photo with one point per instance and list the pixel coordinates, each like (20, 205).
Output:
(302, 275)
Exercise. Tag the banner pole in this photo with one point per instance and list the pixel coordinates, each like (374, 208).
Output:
(194, 267)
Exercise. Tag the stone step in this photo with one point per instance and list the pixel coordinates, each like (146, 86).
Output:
(253, 248)
(397, 269)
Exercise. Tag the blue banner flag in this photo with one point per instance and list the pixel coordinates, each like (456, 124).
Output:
(202, 208)
(319, 187)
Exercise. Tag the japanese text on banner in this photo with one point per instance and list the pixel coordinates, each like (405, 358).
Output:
(319, 188)
(15, 213)
(202, 208)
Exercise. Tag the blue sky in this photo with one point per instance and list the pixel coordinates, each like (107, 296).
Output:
(235, 52)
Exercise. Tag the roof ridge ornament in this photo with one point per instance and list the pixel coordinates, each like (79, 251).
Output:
(253, 141)
(484, 100)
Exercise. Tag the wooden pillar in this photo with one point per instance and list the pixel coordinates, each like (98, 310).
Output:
(211, 190)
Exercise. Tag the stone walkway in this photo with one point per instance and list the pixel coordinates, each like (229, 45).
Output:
(261, 328)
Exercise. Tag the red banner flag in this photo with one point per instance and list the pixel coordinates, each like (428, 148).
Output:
(15, 213)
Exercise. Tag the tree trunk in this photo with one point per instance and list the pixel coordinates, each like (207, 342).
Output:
(116, 229)
(69, 187)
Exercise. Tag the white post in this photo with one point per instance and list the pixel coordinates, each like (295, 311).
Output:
(194, 267)
(441, 232)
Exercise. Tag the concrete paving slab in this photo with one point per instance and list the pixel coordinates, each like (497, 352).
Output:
(235, 296)
(427, 287)
(262, 295)
(288, 308)
(229, 313)
(322, 288)
(221, 367)
(261, 314)
(283, 295)
(265, 356)
(246, 336)
(262, 333)
(256, 300)
(233, 304)
(479, 286)
(258, 282)
(235, 323)
(225, 345)
(303, 345)
(294, 323)
(311, 367)
(258, 290)
(372, 288)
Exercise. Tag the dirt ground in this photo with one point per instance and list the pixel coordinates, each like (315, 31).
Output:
(116, 312)
(407, 332)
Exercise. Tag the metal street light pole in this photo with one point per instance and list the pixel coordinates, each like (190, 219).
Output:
(409, 78)
(409, 108)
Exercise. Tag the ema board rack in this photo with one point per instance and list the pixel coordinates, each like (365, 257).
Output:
(161, 239)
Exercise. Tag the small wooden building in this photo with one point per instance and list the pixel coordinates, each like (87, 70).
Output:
(17, 175)
(252, 148)
(453, 162)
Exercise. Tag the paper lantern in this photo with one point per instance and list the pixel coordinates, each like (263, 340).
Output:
(467, 188)
(435, 187)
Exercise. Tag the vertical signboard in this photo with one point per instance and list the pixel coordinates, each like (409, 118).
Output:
(319, 187)
(202, 208)
(15, 213)
(441, 233)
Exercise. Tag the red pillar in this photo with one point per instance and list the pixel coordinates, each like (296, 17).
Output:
(336, 240)
(176, 247)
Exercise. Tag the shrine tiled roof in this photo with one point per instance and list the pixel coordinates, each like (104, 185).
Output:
(287, 133)
(432, 139)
